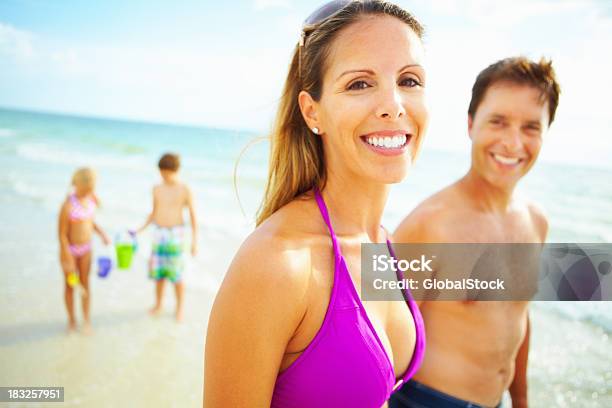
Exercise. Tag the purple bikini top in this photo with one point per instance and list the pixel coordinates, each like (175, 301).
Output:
(345, 365)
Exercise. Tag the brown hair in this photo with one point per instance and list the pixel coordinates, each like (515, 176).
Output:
(520, 71)
(297, 163)
(169, 161)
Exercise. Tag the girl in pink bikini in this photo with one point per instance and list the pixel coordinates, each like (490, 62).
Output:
(76, 227)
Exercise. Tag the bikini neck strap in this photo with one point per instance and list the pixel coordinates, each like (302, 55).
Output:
(325, 215)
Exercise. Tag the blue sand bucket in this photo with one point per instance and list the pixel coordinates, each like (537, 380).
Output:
(105, 264)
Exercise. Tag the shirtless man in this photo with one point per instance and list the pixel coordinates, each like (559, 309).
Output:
(477, 350)
(170, 199)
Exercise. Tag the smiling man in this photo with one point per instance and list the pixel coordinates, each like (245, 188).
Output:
(477, 350)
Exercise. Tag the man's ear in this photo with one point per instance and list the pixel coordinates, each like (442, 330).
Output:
(309, 108)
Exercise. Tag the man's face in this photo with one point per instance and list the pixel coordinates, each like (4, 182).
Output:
(506, 133)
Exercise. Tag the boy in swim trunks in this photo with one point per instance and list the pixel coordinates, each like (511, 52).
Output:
(170, 198)
(476, 350)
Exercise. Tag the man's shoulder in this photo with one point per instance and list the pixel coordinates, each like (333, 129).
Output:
(532, 212)
(442, 205)
(428, 221)
(538, 217)
(536, 211)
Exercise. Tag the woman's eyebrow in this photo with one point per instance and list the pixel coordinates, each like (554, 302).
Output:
(369, 71)
(352, 71)
(409, 66)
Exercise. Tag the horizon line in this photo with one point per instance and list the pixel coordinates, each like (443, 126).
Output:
(125, 119)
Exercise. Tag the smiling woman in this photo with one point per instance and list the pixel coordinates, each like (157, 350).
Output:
(351, 84)
(288, 328)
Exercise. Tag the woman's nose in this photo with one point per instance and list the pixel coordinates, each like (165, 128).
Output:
(390, 105)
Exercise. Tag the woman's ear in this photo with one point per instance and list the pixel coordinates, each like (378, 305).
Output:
(309, 108)
(470, 124)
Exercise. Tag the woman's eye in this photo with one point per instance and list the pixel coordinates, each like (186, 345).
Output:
(410, 82)
(358, 85)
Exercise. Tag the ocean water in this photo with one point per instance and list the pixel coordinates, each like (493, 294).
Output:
(571, 357)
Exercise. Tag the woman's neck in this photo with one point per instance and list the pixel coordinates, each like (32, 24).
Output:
(356, 207)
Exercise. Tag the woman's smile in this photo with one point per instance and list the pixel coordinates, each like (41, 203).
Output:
(388, 142)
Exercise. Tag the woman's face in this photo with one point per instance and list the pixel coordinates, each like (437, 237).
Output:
(372, 113)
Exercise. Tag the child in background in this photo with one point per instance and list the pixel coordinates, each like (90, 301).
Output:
(169, 200)
(76, 227)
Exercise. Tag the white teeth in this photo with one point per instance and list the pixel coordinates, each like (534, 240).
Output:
(391, 142)
(506, 160)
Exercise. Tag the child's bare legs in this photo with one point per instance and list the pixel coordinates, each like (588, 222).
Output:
(69, 301)
(159, 293)
(84, 266)
(69, 297)
(179, 289)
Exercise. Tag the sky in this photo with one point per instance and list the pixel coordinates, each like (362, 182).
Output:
(223, 63)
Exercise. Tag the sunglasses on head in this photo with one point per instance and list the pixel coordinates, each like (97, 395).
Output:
(326, 11)
(321, 14)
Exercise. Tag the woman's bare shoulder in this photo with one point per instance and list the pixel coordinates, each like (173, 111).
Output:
(277, 256)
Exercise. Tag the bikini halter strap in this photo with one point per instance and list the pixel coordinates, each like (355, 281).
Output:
(325, 215)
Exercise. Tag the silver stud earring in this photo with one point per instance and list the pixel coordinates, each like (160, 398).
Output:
(315, 130)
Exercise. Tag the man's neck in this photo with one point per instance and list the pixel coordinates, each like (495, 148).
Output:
(486, 196)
